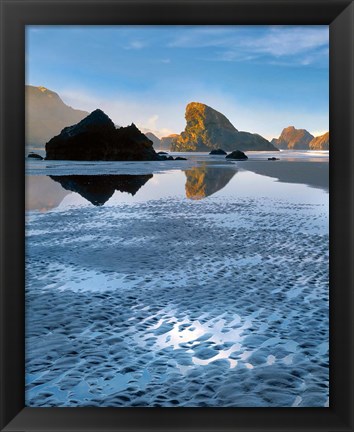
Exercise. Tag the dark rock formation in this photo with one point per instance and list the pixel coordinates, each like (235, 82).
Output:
(162, 153)
(204, 181)
(98, 189)
(208, 129)
(273, 159)
(320, 142)
(292, 139)
(166, 142)
(237, 155)
(95, 138)
(46, 115)
(35, 156)
(218, 152)
(180, 158)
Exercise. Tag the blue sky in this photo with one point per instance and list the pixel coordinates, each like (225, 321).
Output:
(263, 78)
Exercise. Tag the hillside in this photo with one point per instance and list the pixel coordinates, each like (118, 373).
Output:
(46, 115)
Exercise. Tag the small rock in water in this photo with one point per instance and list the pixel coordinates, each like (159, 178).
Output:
(237, 154)
(35, 156)
(218, 152)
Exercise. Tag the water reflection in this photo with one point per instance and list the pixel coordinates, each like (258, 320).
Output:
(98, 189)
(205, 180)
(313, 174)
(262, 178)
(43, 194)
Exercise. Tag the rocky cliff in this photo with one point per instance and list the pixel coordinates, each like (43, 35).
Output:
(156, 142)
(320, 142)
(292, 139)
(96, 138)
(46, 115)
(208, 129)
(166, 142)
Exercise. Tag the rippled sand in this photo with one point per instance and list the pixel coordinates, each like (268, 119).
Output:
(178, 303)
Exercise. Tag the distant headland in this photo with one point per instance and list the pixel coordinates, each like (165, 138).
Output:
(49, 123)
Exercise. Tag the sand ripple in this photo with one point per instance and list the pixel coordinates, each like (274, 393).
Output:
(179, 304)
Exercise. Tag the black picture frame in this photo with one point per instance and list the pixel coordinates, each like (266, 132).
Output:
(15, 15)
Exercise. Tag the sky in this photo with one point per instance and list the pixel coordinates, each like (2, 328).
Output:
(262, 78)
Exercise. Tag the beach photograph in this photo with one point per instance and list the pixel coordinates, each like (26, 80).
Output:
(177, 216)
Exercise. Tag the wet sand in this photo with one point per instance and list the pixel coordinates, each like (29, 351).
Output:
(314, 174)
(214, 302)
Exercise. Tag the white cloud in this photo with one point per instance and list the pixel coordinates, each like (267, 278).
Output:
(286, 41)
(151, 122)
(158, 132)
(135, 45)
(303, 45)
(125, 109)
(317, 133)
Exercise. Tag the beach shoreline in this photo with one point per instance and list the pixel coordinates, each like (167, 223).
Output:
(165, 300)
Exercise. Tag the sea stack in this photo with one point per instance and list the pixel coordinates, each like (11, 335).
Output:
(208, 129)
(95, 138)
(237, 155)
(320, 143)
(292, 138)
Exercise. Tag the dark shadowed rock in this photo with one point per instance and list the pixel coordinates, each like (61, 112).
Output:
(35, 156)
(237, 155)
(292, 139)
(207, 129)
(218, 152)
(96, 138)
(273, 159)
(98, 189)
(162, 153)
(320, 142)
(180, 158)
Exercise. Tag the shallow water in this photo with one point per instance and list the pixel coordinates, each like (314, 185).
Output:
(198, 284)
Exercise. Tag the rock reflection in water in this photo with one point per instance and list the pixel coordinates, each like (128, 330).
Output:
(205, 180)
(98, 189)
